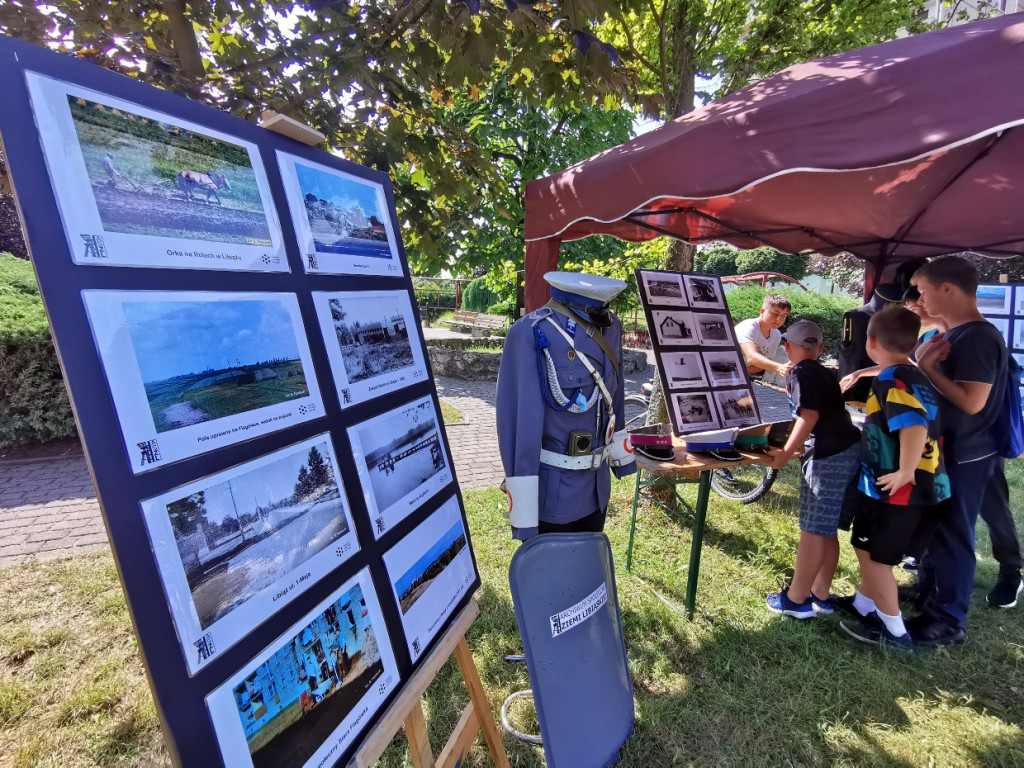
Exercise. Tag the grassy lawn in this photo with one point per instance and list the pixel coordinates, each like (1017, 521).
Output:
(736, 686)
(450, 414)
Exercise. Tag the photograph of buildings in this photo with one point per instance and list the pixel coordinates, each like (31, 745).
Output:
(714, 329)
(673, 327)
(704, 292)
(664, 288)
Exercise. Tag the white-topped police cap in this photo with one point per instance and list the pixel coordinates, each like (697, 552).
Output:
(594, 287)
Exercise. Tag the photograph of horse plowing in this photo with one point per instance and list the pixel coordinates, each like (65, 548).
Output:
(154, 178)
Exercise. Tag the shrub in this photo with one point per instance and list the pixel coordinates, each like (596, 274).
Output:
(34, 404)
(826, 311)
(478, 297)
(717, 259)
(769, 260)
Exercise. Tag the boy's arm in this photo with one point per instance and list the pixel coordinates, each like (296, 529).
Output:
(802, 428)
(852, 378)
(969, 396)
(912, 440)
(755, 359)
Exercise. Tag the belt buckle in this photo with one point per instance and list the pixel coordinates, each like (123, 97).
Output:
(596, 460)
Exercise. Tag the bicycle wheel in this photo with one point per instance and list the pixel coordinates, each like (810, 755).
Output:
(636, 411)
(745, 483)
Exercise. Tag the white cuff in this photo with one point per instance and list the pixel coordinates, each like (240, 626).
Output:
(523, 500)
(622, 451)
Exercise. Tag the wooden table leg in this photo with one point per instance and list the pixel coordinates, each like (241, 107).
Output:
(632, 524)
(700, 513)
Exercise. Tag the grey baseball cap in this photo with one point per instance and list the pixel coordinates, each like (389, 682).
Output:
(804, 333)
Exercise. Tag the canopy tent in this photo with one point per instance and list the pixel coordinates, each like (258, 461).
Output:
(909, 148)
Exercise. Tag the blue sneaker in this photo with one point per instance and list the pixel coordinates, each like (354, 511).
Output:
(822, 606)
(779, 602)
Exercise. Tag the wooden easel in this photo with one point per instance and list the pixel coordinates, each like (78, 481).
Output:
(407, 711)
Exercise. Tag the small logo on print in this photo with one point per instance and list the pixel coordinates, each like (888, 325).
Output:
(311, 261)
(309, 408)
(380, 524)
(150, 452)
(346, 395)
(268, 259)
(416, 646)
(205, 647)
(94, 247)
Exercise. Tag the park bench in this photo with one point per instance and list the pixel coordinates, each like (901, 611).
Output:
(476, 324)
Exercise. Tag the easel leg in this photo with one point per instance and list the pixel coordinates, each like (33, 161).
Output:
(419, 741)
(480, 704)
(700, 513)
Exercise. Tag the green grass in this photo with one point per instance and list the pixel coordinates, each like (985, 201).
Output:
(735, 686)
(450, 414)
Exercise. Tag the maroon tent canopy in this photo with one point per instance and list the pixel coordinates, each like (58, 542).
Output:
(903, 149)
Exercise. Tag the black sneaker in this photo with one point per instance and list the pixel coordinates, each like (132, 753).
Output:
(845, 604)
(1008, 587)
(927, 631)
(912, 594)
(876, 633)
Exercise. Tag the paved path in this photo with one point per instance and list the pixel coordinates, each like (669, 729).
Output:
(48, 507)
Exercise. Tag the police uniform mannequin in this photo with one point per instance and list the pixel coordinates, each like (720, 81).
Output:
(853, 353)
(560, 399)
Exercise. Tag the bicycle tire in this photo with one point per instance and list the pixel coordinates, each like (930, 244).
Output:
(743, 489)
(636, 418)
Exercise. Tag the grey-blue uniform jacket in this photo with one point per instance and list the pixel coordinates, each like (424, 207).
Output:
(526, 423)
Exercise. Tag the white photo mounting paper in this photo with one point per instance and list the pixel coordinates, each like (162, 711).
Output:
(237, 546)
(705, 292)
(683, 370)
(373, 342)
(342, 221)
(994, 299)
(139, 188)
(307, 698)
(738, 407)
(664, 288)
(429, 571)
(673, 327)
(693, 412)
(193, 371)
(401, 460)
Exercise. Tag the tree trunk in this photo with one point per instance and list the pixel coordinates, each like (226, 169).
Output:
(186, 47)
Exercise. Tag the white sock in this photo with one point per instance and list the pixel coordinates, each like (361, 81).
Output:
(893, 623)
(863, 605)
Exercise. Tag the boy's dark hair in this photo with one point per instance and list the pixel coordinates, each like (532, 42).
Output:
(895, 328)
(776, 300)
(955, 270)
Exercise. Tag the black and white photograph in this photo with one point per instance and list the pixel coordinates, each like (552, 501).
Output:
(705, 292)
(191, 371)
(342, 221)
(306, 699)
(693, 412)
(737, 407)
(683, 370)
(1003, 325)
(401, 460)
(429, 571)
(234, 547)
(1018, 302)
(373, 343)
(139, 188)
(725, 368)
(664, 288)
(1018, 334)
(714, 330)
(674, 328)
(994, 299)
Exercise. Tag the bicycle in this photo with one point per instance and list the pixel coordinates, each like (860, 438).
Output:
(745, 483)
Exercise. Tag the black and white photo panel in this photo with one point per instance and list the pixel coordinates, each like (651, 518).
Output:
(191, 371)
(725, 368)
(429, 572)
(342, 221)
(664, 288)
(373, 342)
(139, 188)
(693, 412)
(307, 697)
(705, 292)
(237, 546)
(674, 328)
(401, 461)
(683, 370)
(737, 406)
(714, 330)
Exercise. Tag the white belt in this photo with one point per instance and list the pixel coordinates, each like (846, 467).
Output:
(591, 461)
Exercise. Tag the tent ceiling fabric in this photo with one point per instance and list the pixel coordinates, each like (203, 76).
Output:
(907, 148)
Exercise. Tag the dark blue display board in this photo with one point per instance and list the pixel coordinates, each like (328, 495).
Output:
(236, 324)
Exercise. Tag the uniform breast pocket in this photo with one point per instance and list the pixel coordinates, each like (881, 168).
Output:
(573, 376)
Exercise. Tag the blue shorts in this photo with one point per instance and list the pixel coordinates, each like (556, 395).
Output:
(823, 485)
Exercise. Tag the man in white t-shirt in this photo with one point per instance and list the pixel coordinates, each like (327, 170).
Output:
(759, 337)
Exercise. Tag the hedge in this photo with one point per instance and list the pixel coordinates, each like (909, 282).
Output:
(34, 404)
(826, 311)
(478, 297)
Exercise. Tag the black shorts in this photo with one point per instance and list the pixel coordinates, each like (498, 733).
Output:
(890, 532)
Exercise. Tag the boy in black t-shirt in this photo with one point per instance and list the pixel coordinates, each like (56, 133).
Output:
(902, 478)
(828, 469)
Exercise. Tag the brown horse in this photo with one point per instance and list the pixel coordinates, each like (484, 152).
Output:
(194, 181)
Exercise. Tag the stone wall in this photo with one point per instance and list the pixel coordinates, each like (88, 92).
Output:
(457, 363)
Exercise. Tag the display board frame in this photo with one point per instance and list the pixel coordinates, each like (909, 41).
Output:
(1002, 304)
(181, 689)
(703, 375)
